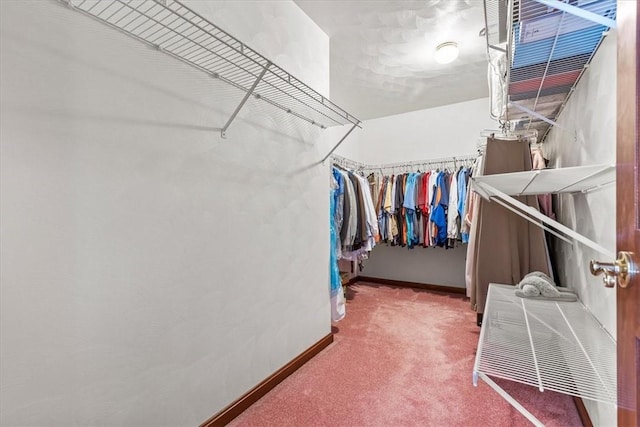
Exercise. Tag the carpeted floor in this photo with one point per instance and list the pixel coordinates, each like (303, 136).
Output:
(401, 357)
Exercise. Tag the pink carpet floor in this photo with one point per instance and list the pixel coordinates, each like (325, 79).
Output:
(401, 357)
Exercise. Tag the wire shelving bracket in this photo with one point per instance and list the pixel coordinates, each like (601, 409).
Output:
(178, 31)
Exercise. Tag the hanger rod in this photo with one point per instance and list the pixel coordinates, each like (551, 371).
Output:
(457, 160)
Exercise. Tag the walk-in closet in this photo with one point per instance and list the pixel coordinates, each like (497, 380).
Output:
(315, 212)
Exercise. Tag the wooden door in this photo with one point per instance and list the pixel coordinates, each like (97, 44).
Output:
(628, 210)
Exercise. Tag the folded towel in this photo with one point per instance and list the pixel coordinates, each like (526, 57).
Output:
(541, 275)
(538, 287)
(564, 296)
(546, 278)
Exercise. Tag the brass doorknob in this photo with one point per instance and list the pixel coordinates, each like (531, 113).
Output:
(618, 271)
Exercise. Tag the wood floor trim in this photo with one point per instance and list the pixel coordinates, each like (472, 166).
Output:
(426, 286)
(225, 416)
(352, 281)
(582, 412)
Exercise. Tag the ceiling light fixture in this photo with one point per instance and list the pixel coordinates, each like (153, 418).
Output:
(446, 52)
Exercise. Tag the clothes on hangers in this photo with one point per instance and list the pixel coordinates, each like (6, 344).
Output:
(440, 207)
(544, 200)
(413, 208)
(452, 210)
(357, 221)
(470, 225)
(506, 246)
(406, 209)
(463, 182)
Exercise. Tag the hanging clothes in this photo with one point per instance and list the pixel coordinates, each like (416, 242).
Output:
(463, 183)
(409, 205)
(359, 226)
(370, 227)
(415, 209)
(382, 228)
(349, 227)
(452, 211)
(426, 237)
(544, 200)
(400, 209)
(507, 246)
(393, 218)
(440, 206)
(470, 226)
(407, 210)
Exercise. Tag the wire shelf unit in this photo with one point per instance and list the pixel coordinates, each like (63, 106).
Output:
(501, 188)
(178, 31)
(557, 346)
(549, 46)
(575, 179)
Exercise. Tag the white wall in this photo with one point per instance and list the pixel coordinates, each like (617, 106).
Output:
(435, 266)
(420, 135)
(152, 272)
(589, 137)
(434, 133)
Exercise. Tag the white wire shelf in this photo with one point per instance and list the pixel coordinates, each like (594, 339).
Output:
(178, 31)
(550, 44)
(551, 345)
(501, 188)
(545, 181)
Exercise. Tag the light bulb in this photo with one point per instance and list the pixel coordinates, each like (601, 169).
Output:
(446, 52)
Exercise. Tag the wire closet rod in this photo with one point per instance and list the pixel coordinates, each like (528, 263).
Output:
(442, 163)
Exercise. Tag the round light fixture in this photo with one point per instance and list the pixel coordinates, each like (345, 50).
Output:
(446, 52)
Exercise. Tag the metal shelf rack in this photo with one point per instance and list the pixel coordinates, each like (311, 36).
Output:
(501, 188)
(551, 345)
(548, 46)
(178, 31)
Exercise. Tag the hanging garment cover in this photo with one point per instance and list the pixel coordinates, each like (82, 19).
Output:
(507, 246)
(338, 302)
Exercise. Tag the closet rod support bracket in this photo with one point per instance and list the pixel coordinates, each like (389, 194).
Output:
(355, 125)
(223, 131)
(534, 114)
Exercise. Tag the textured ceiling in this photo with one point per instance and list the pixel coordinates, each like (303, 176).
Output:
(382, 53)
